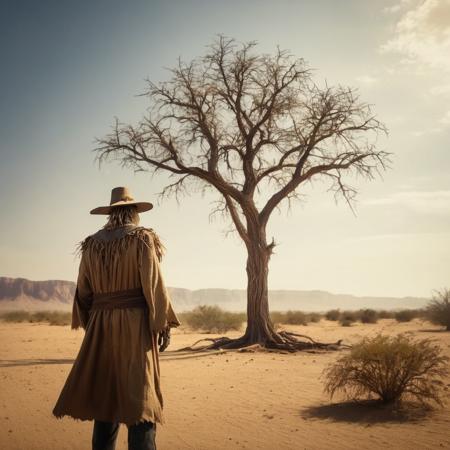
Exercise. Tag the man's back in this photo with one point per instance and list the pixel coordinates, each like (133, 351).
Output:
(111, 258)
(124, 259)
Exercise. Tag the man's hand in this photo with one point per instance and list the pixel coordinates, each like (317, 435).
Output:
(164, 339)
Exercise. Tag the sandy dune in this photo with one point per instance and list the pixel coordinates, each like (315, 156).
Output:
(229, 400)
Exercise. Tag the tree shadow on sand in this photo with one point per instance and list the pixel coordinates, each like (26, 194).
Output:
(166, 355)
(34, 362)
(369, 412)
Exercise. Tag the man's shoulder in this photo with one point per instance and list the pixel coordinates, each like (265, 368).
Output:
(150, 232)
(151, 238)
(115, 235)
(121, 232)
(103, 237)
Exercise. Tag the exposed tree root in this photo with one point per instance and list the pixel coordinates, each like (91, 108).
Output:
(283, 341)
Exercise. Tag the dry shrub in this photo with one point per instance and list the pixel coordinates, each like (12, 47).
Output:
(313, 317)
(389, 368)
(212, 319)
(39, 316)
(52, 317)
(16, 316)
(333, 314)
(293, 317)
(406, 315)
(368, 316)
(438, 309)
(383, 314)
(277, 317)
(296, 318)
(347, 318)
(59, 318)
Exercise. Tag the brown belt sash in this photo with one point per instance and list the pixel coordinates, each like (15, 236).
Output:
(129, 298)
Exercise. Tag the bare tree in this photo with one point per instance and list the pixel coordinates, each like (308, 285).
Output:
(247, 125)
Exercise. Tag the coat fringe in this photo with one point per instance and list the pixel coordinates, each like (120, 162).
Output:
(121, 243)
(110, 251)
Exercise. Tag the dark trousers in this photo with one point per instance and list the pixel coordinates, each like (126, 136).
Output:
(141, 436)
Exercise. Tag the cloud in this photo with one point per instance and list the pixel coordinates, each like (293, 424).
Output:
(446, 119)
(422, 35)
(397, 7)
(366, 79)
(443, 89)
(427, 132)
(392, 236)
(422, 202)
(444, 123)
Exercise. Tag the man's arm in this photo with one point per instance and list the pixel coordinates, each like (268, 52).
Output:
(83, 297)
(161, 313)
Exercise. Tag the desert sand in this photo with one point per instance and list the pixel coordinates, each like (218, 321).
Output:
(225, 400)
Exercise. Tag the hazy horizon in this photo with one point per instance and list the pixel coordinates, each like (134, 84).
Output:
(218, 288)
(70, 68)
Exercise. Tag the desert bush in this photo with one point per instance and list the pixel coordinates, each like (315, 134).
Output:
(16, 316)
(347, 318)
(277, 317)
(212, 319)
(59, 318)
(368, 316)
(390, 368)
(438, 309)
(333, 314)
(405, 315)
(313, 317)
(383, 314)
(52, 317)
(295, 318)
(39, 316)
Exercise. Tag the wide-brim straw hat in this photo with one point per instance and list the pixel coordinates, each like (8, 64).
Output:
(121, 196)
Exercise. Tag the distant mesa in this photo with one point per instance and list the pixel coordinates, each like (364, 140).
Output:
(20, 293)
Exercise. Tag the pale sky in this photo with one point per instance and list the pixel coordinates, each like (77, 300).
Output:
(68, 68)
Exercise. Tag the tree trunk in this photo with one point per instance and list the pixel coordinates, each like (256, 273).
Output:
(260, 329)
(259, 325)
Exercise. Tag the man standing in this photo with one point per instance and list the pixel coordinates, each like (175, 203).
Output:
(122, 303)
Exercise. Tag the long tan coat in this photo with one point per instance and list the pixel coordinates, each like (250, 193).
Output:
(116, 374)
